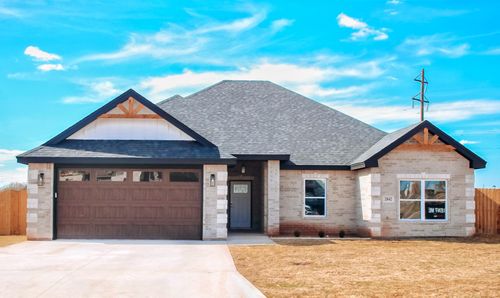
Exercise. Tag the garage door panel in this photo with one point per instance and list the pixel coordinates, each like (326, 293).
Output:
(75, 211)
(76, 230)
(110, 212)
(128, 209)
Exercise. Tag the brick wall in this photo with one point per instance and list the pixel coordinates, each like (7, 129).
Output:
(449, 166)
(40, 212)
(215, 202)
(341, 203)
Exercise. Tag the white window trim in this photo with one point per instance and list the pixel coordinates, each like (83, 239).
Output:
(304, 198)
(423, 200)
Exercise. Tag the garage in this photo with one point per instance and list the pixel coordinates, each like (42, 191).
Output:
(129, 203)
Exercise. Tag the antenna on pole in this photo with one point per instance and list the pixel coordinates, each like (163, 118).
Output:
(420, 97)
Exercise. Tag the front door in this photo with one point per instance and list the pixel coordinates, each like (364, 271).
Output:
(241, 198)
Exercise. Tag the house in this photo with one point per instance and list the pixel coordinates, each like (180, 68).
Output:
(245, 155)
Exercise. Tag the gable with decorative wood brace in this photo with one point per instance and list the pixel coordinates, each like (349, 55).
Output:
(132, 109)
(130, 120)
(425, 141)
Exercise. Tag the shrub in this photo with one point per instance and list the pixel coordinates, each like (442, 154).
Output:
(321, 234)
(296, 233)
(342, 234)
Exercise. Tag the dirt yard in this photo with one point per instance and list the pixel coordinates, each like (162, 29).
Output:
(8, 240)
(420, 267)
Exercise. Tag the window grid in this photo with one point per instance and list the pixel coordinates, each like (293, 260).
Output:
(423, 200)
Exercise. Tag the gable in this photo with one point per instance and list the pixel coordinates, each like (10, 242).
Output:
(425, 141)
(127, 107)
(420, 136)
(130, 120)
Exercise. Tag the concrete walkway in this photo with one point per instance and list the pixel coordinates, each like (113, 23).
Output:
(121, 268)
(248, 239)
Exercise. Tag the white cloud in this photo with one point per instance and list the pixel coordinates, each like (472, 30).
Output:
(346, 21)
(437, 44)
(492, 52)
(394, 2)
(50, 67)
(362, 30)
(19, 174)
(40, 55)
(195, 43)
(10, 12)
(467, 142)
(105, 88)
(315, 90)
(8, 155)
(441, 112)
(307, 79)
(236, 25)
(96, 92)
(280, 24)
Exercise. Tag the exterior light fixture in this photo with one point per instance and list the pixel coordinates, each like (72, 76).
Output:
(212, 180)
(243, 169)
(41, 178)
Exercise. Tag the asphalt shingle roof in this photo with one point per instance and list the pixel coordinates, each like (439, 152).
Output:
(129, 149)
(260, 117)
(383, 143)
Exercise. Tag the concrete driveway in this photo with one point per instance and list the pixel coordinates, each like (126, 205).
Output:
(121, 268)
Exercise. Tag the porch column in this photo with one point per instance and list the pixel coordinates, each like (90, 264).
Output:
(271, 177)
(39, 215)
(214, 202)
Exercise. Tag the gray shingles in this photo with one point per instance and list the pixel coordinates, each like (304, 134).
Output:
(127, 149)
(260, 117)
(383, 143)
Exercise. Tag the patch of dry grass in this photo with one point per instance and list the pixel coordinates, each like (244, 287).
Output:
(8, 240)
(414, 267)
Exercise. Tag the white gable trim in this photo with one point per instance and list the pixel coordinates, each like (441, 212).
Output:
(130, 129)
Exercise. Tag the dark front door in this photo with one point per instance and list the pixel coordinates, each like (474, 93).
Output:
(241, 202)
(129, 203)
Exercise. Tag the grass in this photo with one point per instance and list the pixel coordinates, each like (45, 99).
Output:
(374, 268)
(8, 240)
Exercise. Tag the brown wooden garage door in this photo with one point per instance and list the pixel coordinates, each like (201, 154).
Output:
(118, 203)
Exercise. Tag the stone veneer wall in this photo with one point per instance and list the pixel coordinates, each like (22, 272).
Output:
(271, 192)
(40, 212)
(449, 166)
(215, 202)
(341, 203)
(368, 202)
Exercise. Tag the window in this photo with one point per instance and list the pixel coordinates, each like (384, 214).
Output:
(147, 176)
(409, 199)
(183, 177)
(315, 197)
(113, 176)
(435, 200)
(422, 200)
(74, 175)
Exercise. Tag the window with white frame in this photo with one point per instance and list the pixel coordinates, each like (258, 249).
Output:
(315, 197)
(422, 200)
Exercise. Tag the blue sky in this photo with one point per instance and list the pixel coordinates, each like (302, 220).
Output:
(62, 60)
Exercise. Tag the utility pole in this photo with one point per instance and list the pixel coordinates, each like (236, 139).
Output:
(421, 96)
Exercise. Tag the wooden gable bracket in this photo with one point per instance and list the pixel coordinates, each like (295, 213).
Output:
(426, 143)
(127, 107)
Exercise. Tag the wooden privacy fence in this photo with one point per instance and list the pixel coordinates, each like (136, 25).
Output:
(13, 212)
(487, 211)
